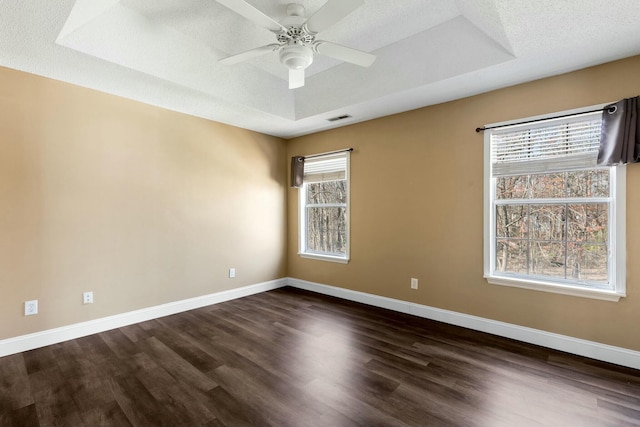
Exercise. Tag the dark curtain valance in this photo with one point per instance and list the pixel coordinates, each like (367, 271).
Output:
(620, 139)
(297, 171)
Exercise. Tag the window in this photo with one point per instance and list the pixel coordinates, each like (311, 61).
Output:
(554, 221)
(324, 208)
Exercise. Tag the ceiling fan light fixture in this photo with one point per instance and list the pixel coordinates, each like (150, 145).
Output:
(296, 57)
(296, 36)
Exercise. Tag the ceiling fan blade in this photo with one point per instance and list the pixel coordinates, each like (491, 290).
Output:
(330, 13)
(344, 53)
(296, 78)
(249, 54)
(243, 8)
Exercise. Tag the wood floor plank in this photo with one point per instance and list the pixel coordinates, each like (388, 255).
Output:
(167, 358)
(119, 343)
(187, 350)
(343, 401)
(21, 417)
(135, 332)
(233, 412)
(39, 359)
(107, 415)
(139, 406)
(289, 357)
(53, 398)
(620, 411)
(15, 392)
(283, 406)
(181, 399)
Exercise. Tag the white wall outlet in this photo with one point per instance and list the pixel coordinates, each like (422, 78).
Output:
(232, 273)
(414, 283)
(31, 307)
(87, 298)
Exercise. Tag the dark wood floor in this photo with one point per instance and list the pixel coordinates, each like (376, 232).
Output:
(294, 358)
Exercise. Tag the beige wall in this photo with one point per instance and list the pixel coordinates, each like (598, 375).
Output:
(417, 209)
(140, 205)
(144, 206)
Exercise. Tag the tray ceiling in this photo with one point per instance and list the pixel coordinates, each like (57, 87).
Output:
(166, 52)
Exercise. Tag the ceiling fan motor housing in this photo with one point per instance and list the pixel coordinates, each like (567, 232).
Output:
(296, 36)
(296, 52)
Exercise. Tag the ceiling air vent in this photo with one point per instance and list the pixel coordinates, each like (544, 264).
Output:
(335, 119)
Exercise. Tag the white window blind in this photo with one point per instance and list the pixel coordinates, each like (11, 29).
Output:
(326, 168)
(549, 146)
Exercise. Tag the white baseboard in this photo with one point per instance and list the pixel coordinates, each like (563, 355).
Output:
(65, 333)
(594, 350)
(591, 349)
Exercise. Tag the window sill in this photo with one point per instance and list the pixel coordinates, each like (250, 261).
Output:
(321, 257)
(556, 288)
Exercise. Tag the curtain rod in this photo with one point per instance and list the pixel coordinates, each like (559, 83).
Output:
(327, 153)
(610, 108)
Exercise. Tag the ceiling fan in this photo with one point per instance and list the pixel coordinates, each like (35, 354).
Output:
(296, 36)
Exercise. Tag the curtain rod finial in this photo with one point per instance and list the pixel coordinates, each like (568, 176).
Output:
(479, 129)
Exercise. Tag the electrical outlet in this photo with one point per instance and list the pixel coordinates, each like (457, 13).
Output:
(31, 307)
(414, 283)
(232, 273)
(87, 298)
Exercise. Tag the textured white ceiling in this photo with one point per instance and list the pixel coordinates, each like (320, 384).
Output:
(165, 53)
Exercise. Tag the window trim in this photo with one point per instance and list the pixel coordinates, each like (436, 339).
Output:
(618, 231)
(302, 220)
